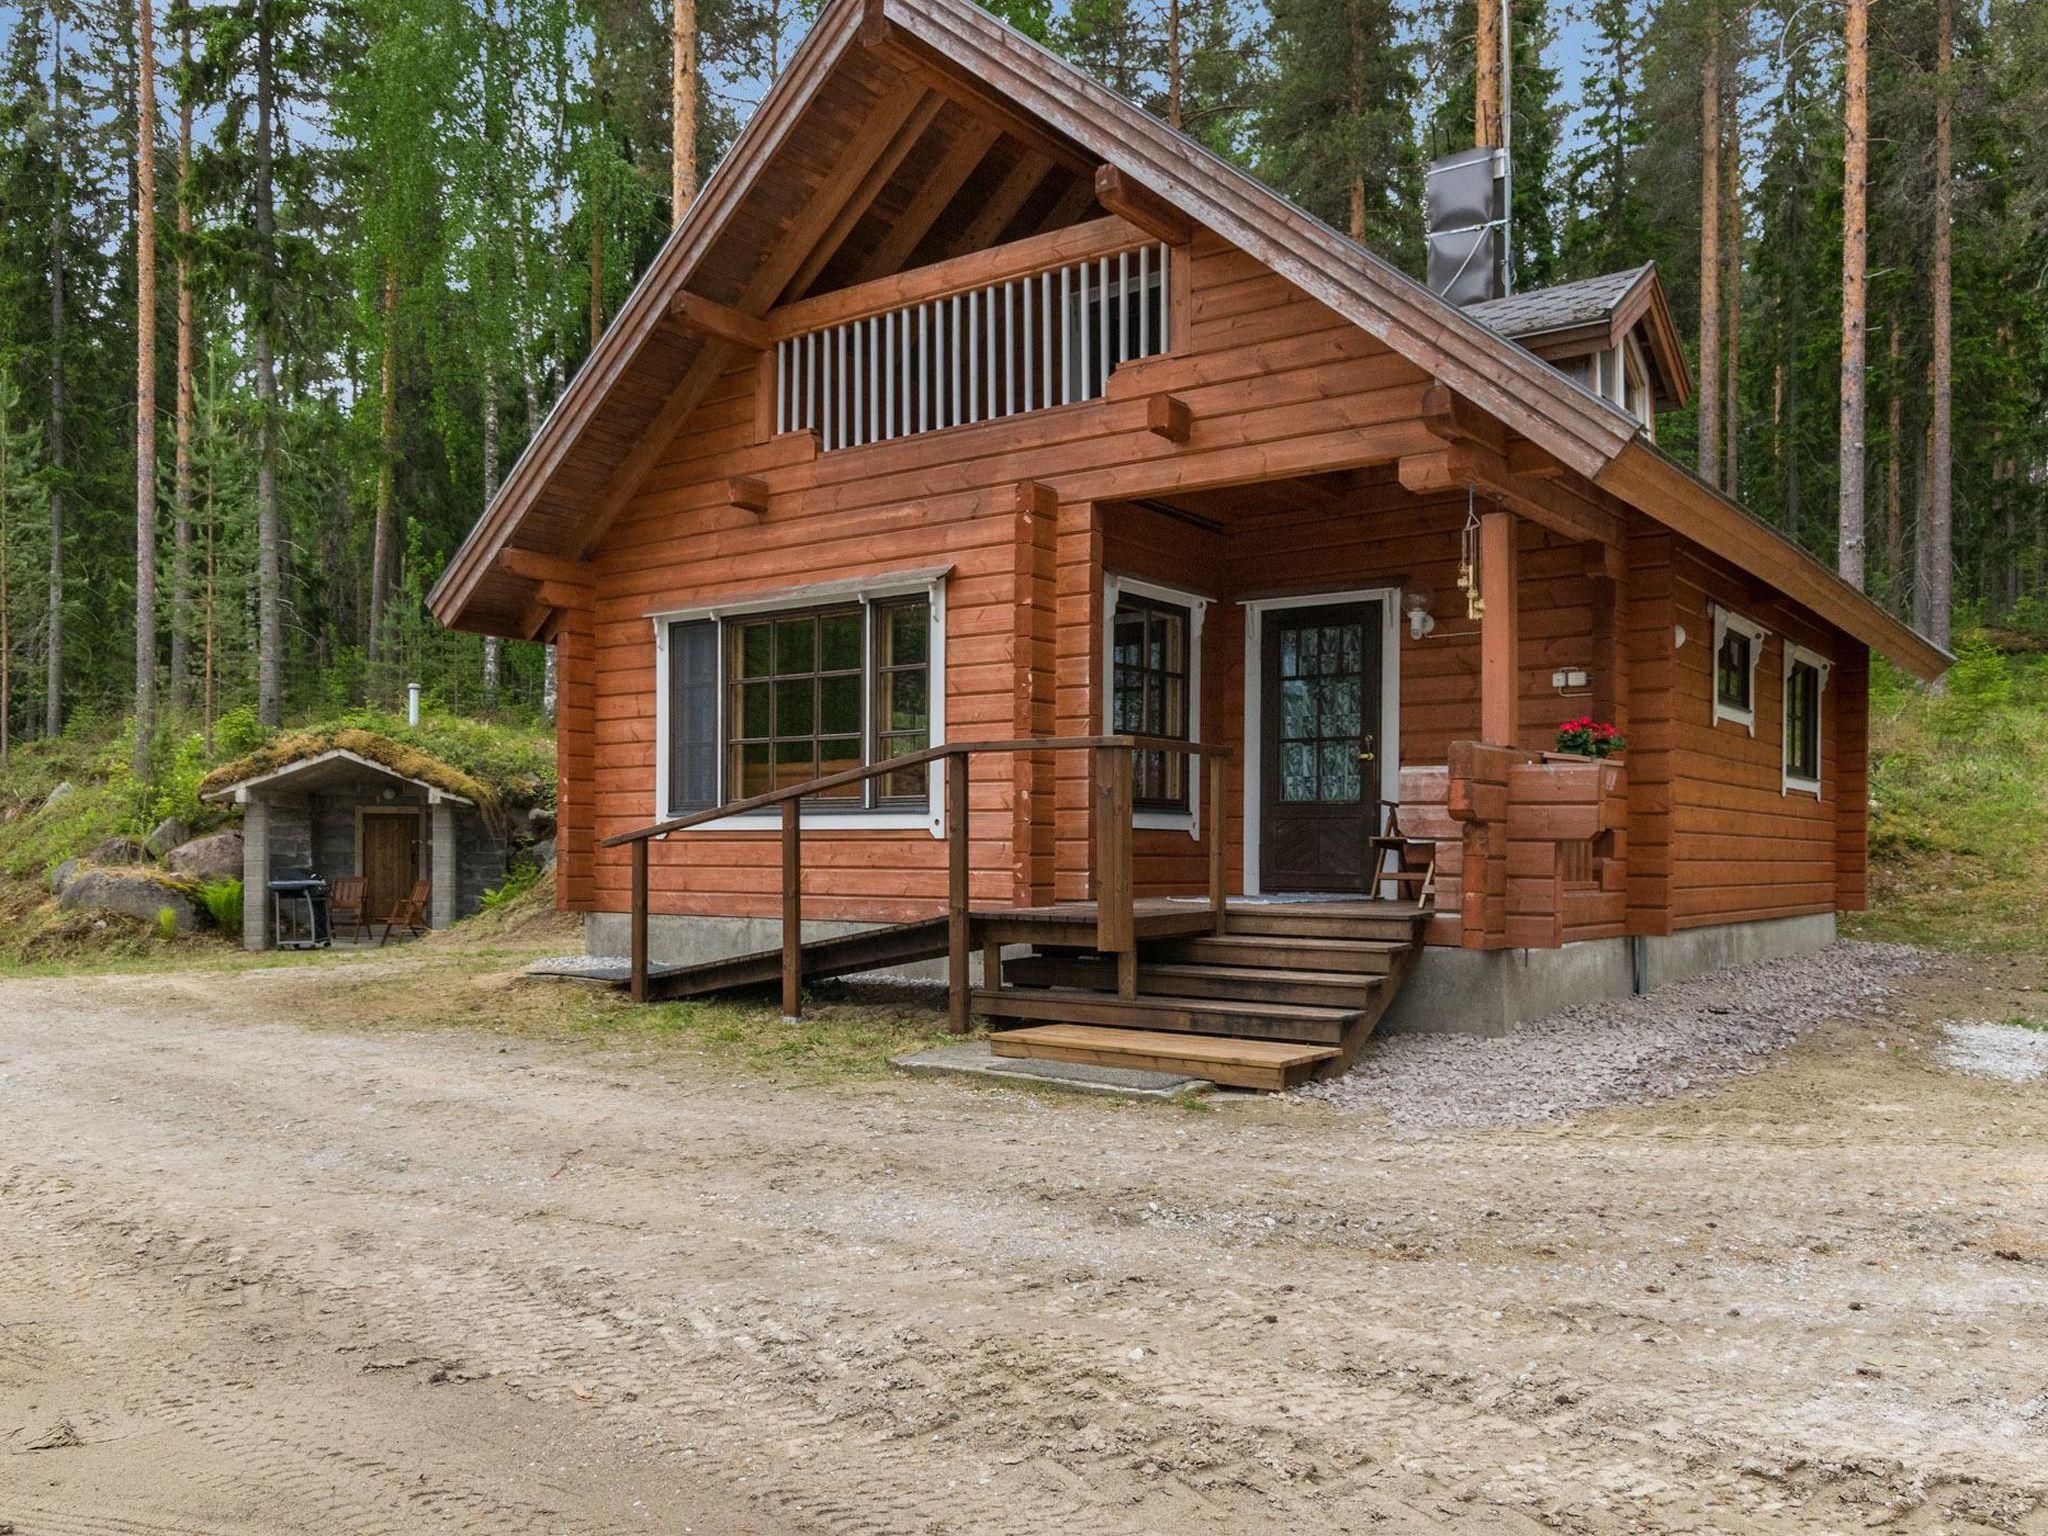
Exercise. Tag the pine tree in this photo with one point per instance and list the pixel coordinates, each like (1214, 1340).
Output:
(1855, 204)
(1336, 131)
(1604, 228)
(145, 391)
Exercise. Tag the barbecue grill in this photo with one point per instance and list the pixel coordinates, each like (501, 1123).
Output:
(298, 910)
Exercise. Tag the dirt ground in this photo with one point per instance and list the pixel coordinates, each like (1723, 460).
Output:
(265, 1276)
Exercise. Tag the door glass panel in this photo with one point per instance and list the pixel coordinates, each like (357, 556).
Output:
(1321, 714)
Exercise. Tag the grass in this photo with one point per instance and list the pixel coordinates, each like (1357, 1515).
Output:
(842, 1034)
(1959, 806)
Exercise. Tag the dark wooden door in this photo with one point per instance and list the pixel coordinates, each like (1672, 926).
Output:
(1318, 759)
(391, 862)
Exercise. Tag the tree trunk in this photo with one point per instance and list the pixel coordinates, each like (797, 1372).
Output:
(382, 528)
(1486, 118)
(53, 653)
(1941, 554)
(1855, 235)
(492, 645)
(1355, 79)
(181, 475)
(6, 603)
(1174, 65)
(1711, 215)
(269, 594)
(145, 389)
(1894, 491)
(683, 85)
(1731, 288)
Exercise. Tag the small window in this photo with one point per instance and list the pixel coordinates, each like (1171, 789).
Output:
(1150, 687)
(1738, 646)
(1805, 676)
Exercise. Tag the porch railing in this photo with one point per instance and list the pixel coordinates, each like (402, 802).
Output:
(1116, 922)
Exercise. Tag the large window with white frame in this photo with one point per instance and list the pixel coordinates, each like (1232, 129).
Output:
(1153, 682)
(1806, 675)
(768, 695)
(1738, 648)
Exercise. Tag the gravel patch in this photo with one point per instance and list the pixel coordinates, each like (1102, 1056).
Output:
(2008, 1052)
(1625, 1051)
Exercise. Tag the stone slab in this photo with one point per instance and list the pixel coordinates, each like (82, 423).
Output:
(976, 1059)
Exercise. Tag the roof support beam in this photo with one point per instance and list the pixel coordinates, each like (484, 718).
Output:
(946, 179)
(721, 322)
(1120, 195)
(1004, 202)
(928, 105)
(534, 566)
(1475, 457)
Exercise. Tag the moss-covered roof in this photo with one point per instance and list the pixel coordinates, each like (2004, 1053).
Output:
(408, 762)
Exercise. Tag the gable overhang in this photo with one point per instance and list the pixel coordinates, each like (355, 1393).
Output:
(321, 769)
(975, 58)
(1646, 477)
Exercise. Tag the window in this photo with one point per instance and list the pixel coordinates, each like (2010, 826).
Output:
(767, 697)
(1738, 646)
(1153, 682)
(1149, 658)
(1806, 674)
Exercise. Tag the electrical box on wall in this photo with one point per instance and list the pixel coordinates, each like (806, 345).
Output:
(1569, 679)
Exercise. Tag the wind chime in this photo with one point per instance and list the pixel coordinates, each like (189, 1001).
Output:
(1468, 559)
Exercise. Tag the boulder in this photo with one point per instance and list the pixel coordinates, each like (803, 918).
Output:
(61, 875)
(167, 834)
(66, 788)
(118, 850)
(132, 893)
(217, 856)
(542, 854)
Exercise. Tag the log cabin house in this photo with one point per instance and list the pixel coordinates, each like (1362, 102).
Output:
(997, 528)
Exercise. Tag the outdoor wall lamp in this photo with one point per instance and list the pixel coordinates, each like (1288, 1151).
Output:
(1415, 603)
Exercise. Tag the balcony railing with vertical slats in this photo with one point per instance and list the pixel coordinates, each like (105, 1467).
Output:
(1049, 338)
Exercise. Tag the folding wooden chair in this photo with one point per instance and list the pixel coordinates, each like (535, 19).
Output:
(410, 914)
(345, 906)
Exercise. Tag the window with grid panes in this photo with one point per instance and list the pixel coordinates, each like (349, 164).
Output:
(1150, 684)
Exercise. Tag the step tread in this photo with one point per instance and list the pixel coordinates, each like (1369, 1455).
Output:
(1271, 1053)
(991, 1000)
(1206, 969)
(1281, 941)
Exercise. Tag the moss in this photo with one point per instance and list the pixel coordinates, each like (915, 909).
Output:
(400, 757)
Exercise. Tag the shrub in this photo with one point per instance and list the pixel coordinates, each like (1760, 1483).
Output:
(167, 923)
(238, 732)
(222, 900)
(522, 879)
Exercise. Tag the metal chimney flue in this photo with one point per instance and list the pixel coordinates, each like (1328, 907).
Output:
(1465, 208)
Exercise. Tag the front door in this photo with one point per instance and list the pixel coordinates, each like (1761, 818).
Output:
(391, 861)
(1318, 758)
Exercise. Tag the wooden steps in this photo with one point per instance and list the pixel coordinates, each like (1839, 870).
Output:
(1276, 952)
(1283, 977)
(1188, 1015)
(1237, 1063)
(1193, 979)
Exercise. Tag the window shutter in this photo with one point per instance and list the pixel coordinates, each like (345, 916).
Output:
(692, 716)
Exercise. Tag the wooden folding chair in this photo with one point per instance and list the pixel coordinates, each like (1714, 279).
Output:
(345, 906)
(410, 914)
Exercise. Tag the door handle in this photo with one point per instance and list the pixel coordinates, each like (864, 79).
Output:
(1367, 755)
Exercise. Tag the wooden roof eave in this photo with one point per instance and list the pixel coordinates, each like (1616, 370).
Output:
(1645, 477)
(646, 308)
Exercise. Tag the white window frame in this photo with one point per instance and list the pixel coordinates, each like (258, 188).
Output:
(929, 584)
(1389, 749)
(1799, 655)
(1726, 619)
(1114, 586)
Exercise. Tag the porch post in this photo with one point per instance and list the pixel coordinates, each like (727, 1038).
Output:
(444, 875)
(1499, 629)
(255, 873)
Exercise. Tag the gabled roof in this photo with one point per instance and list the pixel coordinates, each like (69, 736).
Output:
(843, 94)
(1594, 312)
(309, 759)
(1562, 306)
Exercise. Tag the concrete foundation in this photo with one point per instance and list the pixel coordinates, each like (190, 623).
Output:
(1450, 991)
(1488, 992)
